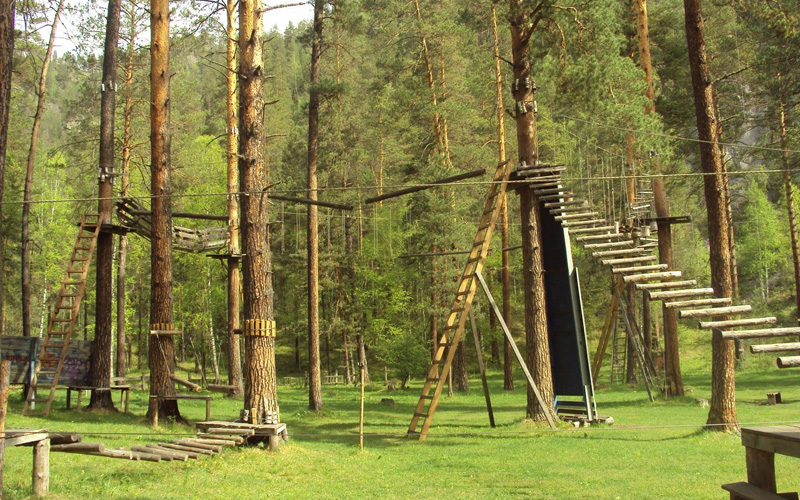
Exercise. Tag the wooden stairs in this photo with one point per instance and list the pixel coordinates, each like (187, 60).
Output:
(459, 312)
(63, 317)
(632, 258)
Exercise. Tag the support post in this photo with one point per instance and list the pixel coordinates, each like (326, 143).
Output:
(41, 467)
(479, 353)
(361, 410)
(5, 370)
(550, 418)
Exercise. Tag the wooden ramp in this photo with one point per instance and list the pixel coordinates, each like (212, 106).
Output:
(63, 317)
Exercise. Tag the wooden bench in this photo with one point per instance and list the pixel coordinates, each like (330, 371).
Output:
(746, 491)
(124, 391)
(181, 397)
(761, 444)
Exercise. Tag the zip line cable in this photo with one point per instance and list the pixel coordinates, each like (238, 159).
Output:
(483, 433)
(212, 194)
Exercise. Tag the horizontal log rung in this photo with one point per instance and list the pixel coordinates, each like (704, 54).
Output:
(784, 347)
(771, 320)
(725, 301)
(666, 285)
(760, 333)
(715, 311)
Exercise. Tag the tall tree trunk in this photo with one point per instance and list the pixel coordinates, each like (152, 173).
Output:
(460, 377)
(722, 410)
(672, 361)
(7, 14)
(314, 381)
(523, 24)
(104, 336)
(434, 307)
(674, 380)
(122, 261)
(25, 263)
(505, 273)
(234, 276)
(260, 392)
(161, 352)
(437, 125)
(536, 337)
(787, 184)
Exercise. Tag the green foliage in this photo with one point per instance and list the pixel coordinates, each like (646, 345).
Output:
(763, 244)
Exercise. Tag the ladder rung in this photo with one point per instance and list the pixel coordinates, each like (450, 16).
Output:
(426, 396)
(432, 379)
(421, 415)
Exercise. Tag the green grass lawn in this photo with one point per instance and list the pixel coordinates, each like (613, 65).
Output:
(654, 450)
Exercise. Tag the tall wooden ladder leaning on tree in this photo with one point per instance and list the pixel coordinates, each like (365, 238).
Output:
(459, 313)
(63, 317)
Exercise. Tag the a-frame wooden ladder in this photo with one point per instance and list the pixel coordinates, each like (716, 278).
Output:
(459, 313)
(63, 317)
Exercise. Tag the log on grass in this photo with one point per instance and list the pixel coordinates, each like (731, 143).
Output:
(219, 440)
(185, 448)
(223, 439)
(79, 448)
(169, 457)
(198, 443)
(178, 454)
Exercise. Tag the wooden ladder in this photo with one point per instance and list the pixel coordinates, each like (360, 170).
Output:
(63, 317)
(459, 313)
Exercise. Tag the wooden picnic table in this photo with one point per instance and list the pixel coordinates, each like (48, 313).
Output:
(761, 444)
(178, 397)
(124, 398)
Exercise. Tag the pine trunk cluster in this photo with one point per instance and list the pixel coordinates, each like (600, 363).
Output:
(161, 353)
(260, 392)
(722, 409)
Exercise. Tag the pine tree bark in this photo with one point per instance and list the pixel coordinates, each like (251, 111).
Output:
(790, 213)
(672, 362)
(122, 261)
(234, 250)
(161, 352)
(260, 391)
(25, 263)
(505, 273)
(722, 409)
(437, 125)
(104, 335)
(536, 333)
(7, 16)
(314, 377)
(523, 24)
(673, 378)
(460, 376)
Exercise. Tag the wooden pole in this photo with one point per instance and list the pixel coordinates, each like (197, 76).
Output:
(479, 353)
(41, 467)
(361, 411)
(5, 370)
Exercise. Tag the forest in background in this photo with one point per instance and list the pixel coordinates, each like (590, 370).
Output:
(376, 135)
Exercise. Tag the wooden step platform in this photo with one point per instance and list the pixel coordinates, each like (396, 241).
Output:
(253, 433)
